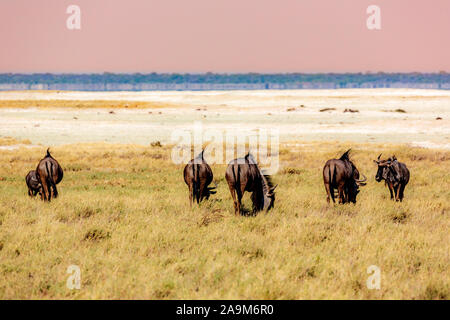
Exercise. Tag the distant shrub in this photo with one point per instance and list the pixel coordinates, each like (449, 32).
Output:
(293, 171)
(96, 234)
(156, 144)
(327, 109)
(351, 110)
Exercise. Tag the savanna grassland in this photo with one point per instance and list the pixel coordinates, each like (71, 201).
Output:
(123, 217)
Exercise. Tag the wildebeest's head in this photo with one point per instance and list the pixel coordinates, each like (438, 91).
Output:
(269, 199)
(263, 198)
(353, 188)
(386, 168)
(355, 173)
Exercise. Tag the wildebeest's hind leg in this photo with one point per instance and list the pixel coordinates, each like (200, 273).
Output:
(233, 195)
(49, 192)
(240, 194)
(201, 191)
(190, 194)
(333, 196)
(397, 193)
(45, 191)
(55, 190)
(341, 193)
(402, 189)
(330, 192)
(30, 192)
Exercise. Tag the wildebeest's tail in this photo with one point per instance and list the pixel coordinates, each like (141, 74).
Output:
(50, 182)
(196, 182)
(236, 178)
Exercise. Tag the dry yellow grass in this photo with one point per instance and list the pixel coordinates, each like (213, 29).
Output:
(123, 217)
(83, 104)
(10, 141)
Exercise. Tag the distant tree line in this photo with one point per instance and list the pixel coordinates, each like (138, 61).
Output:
(340, 79)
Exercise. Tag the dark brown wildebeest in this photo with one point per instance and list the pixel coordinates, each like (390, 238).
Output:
(395, 174)
(244, 175)
(198, 176)
(34, 186)
(341, 174)
(49, 174)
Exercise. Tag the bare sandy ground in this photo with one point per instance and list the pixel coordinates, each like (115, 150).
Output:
(295, 113)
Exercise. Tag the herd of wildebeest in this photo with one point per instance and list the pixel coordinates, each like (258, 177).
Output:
(244, 174)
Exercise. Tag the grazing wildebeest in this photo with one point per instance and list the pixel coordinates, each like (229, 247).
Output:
(341, 174)
(244, 175)
(49, 174)
(198, 176)
(395, 174)
(34, 186)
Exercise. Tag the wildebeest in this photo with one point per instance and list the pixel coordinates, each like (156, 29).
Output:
(49, 174)
(395, 174)
(34, 186)
(341, 174)
(244, 175)
(198, 176)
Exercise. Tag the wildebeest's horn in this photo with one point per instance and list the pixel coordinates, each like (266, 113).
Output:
(362, 180)
(271, 190)
(212, 188)
(48, 152)
(379, 157)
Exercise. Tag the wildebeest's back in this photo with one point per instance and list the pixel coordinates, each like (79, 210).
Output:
(198, 176)
(404, 173)
(237, 169)
(242, 175)
(398, 173)
(197, 171)
(49, 174)
(49, 168)
(336, 170)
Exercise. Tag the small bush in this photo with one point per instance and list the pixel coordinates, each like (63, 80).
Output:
(96, 234)
(327, 109)
(156, 144)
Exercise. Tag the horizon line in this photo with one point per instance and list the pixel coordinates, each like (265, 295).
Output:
(232, 73)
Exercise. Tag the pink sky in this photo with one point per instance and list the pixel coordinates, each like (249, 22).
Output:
(224, 36)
